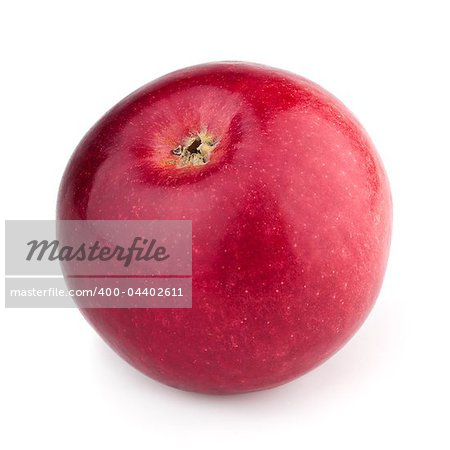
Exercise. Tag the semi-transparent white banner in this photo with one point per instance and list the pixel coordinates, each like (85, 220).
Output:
(106, 263)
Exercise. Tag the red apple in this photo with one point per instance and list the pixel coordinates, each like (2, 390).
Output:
(291, 218)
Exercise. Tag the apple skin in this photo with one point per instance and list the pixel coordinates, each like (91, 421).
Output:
(291, 223)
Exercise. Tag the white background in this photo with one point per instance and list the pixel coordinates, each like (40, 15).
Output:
(63, 64)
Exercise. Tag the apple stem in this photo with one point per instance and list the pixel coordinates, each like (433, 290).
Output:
(196, 151)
